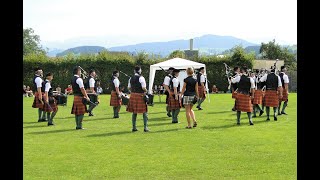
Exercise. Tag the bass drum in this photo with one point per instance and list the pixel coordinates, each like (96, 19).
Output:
(61, 99)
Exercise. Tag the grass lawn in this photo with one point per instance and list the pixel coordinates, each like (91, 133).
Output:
(107, 149)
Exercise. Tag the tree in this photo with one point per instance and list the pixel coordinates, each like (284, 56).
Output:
(177, 54)
(240, 58)
(31, 42)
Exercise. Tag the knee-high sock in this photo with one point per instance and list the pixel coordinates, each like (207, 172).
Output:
(249, 116)
(77, 121)
(114, 110)
(279, 106)
(284, 106)
(145, 120)
(173, 113)
(200, 101)
(134, 120)
(176, 113)
(91, 107)
(118, 110)
(238, 116)
(268, 111)
(48, 117)
(275, 111)
(39, 113)
(258, 107)
(168, 110)
(80, 118)
(262, 107)
(44, 115)
(52, 115)
(254, 110)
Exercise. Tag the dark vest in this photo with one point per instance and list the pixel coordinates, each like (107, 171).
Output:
(170, 76)
(190, 88)
(50, 92)
(282, 80)
(113, 88)
(135, 84)
(272, 82)
(198, 79)
(75, 87)
(171, 84)
(87, 85)
(244, 85)
(34, 88)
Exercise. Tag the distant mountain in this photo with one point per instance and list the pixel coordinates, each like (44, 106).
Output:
(82, 50)
(207, 44)
(255, 49)
(54, 52)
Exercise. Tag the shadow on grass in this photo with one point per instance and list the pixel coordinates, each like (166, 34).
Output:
(160, 119)
(129, 132)
(31, 122)
(65, 117)
(53, 131)
(243, 122)
(219, 112)
(96, 119)
(35, 126)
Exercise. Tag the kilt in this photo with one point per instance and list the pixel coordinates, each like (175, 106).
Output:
(174, 104)
(36, 103)
(284, 96)
(271, 98)
(202, 92)
(243, 103)
(78, 108)
(115, 100)
(136, 103)
(234, 95)
(53, 105)
(257, 97)
(167, 99)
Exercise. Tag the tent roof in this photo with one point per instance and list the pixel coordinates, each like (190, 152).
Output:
(177, 63)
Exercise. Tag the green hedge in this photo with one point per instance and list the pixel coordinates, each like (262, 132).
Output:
(105, 63)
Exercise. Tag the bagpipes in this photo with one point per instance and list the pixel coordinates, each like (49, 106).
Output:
(274, 67)
(228, 74)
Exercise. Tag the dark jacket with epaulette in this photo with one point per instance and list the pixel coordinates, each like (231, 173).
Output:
(272, 82)
(244, 85)
(135, 84)
(75, 87)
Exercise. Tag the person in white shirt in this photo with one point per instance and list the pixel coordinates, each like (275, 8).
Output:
(50, 102)
(79, 108)
(285, 90)
(243, 98)
(166, 84)
(175, 98)
(137, 85)
(273, 90)
(234, 86)
(116, 98)
(201, 87)
(99, 88)
(39, 92)
(91, 90)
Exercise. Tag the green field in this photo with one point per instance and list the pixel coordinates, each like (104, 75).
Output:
(107, 149)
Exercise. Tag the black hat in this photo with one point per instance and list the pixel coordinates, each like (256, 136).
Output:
(115, 72)
(201, 68)
(91, 70)
(37, 68)
(282, 67)
(171, 68)
(137, 68)
(176, 70)
(49, 74)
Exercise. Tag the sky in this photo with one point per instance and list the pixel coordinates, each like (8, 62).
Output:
(124, 22)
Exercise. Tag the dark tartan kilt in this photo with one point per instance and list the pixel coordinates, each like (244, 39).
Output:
(167, 99)
(202, 92)
(136, 103)
(174, 104)
(234, 95)
(78, 108)
(271, 98)
(243, 103)
(36, 102)
(257, 97)
(115, 100)
(53, 106)
(284, 96)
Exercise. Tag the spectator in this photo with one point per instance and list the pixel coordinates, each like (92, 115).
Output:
(99, 88)
(29, 92)
(214, 89)
(24, 91)
(58, 89)
(68, 90)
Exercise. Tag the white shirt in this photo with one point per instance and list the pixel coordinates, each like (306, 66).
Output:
(237, 79)
(47, 87)
(264, 78)
(91, 82)
(141, 80)
(166, 80)
(79, 81)
(234, 79)
(175, 82)
(202, 79)
(285, 78)
(38, 81)
(116, 82)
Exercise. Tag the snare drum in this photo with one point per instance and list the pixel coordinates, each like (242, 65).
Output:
(61, 99)
(150, 100)
(125, 99)
(93, 98)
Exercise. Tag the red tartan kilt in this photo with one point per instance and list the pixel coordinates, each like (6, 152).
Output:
(78, 108)
(284, 96)
(174, 104)
(271, 98)
(234, 95)
(257, 97)
(202, 92)
(136, 103)
(52, 105)
(36, 103)
(243, 103)
(114, 99)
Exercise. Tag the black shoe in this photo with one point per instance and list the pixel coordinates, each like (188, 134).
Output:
(200, 108)
(238, 124)
(195, 124)
(169, 115)
(134, 130)
(81, 128)
(115, 116)
(275, 118)
(279, 114)
(91, 114)
(50, 124)
(233, 109)
(254, 116)
(268, 119)
(284, 113)
(261, 112)
(146, 130)
(251, 123)
(42, 120)
(175, 122)
(197, 107)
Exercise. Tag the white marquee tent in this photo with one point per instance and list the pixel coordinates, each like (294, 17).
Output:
(177, 63)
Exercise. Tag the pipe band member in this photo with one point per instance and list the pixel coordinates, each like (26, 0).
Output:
(166, 85)
(115, 99)
(175, 99)
(285, 90)
(39, 92)
(50, 104)
(201, 87)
